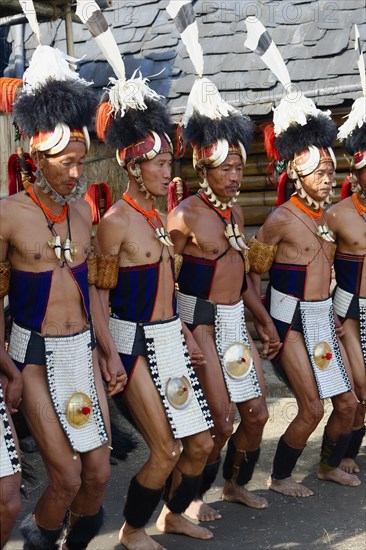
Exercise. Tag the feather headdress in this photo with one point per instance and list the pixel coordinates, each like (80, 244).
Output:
(298, 123)
(54, 100)
(209, 123)
(353, 131)
(133, 113)
(301, 134)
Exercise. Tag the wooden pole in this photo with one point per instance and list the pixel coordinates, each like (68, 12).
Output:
(69, 33)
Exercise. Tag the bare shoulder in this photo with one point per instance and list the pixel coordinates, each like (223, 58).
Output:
(184, 214)
(9, 209)
(336, 210)
(83, 209)
(274, 228)
(112, 229)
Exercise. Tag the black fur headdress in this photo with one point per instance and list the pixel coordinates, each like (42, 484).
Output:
(68, 101)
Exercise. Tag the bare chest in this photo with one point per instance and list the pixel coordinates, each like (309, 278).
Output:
(32, 243)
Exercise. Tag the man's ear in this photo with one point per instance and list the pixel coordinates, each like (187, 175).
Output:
(133, 169)
(38, 158)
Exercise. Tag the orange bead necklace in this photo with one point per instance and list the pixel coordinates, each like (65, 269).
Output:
(361, 209)
(311, 213)
(47, 212)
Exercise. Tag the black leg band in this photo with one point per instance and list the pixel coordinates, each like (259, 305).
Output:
(38, 538)
(355, 443)
(209, 475)
(239, 465)
(140, 503)
(84, 530)
(184, 493)
(284, 460)
(332, 452)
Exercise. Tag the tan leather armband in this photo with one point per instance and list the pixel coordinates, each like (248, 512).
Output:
(5, 269)
(178, 262)
(92, 269)
(107, 271)
(261, 255)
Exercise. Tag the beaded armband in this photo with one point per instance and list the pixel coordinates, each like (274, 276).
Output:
(178, 262)
(107, 272)
(5, 268)
(92, 269)
(261, 255)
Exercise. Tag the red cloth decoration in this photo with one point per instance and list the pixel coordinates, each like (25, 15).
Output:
(99, 197)
(173, 198)
(346, 188)
(15, 167)
(103, 119)
(269, 142)
(281, 189)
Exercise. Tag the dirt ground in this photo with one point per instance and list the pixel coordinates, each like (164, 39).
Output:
(333, 518)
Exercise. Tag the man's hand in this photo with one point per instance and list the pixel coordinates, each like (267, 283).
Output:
(113, 372)
(269, 337)
(195, 353)
(12, 388)
(340, 332)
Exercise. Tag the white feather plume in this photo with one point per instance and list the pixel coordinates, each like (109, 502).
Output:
(356, 118)
(272, 57)
(295, 108)
(46, 63)
(360, 61)
(190, 36)
(105, 40)
(30, 13)
(130, 94)
(205, 98)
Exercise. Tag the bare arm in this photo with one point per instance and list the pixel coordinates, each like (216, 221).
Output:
(178, 227)
(106, 244)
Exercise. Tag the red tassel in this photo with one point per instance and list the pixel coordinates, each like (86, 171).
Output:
(180, 148)
(19, 170)
(173, 199)
(346, 188)
(269, 142)
(103, 119)
(281, 189)
(99, 197)
(8, 89)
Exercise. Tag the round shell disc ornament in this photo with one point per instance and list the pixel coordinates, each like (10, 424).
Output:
(322, 354)
(179, 392)
(238, 360)
(78, 409)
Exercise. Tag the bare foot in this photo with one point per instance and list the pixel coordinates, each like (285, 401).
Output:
(232, 492)
(289, 487)
(349, 465)
(137, 539)
(176, 523)
(201, 511)
(339, 476)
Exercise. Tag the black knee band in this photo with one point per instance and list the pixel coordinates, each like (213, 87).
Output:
(38, 538)
(332, 452)
(84, 530)
(241, 472)
(208, 476)
(140, 503)
(355, 443)
(285, 460)
(184, 494)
